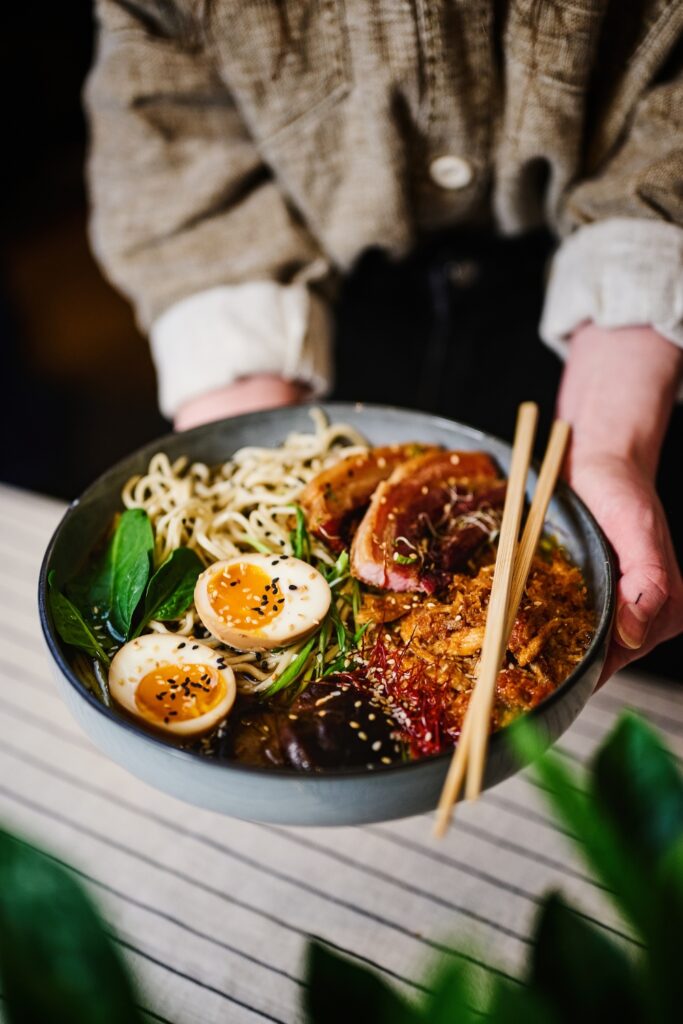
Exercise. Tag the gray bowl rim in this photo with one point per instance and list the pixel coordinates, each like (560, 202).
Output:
(497, 739)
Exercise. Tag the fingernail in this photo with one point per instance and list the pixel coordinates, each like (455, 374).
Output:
(632, 626)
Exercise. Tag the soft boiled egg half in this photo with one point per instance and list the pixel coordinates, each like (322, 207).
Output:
(257, 602)
(174, 684)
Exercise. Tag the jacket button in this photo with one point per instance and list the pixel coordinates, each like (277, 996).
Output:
(450, 172)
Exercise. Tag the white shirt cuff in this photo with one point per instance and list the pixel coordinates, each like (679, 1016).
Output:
(217, 336)
(616, 273)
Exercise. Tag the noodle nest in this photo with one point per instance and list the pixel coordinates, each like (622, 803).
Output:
(244, 505)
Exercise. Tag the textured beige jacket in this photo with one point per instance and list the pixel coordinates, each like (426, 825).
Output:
(244, 152)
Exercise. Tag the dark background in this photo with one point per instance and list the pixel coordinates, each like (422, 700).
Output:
(451, 329)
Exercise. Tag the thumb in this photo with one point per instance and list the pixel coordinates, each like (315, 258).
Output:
(643, 591)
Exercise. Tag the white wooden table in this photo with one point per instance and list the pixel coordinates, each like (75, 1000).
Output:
(212, 913)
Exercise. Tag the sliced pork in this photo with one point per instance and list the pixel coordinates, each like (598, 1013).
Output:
(332, 500)
(427, 519)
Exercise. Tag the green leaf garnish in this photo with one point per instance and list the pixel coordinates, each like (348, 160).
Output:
(323, 641)
(356, 598)
(299, 537)
(171, 588)
(357, 636)
(257, 545)
(131, 557)
(71, 625)
(293, 670)
(405, 559)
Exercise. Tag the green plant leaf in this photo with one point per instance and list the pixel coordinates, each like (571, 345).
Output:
(131, 555)
(582, 975)
(637, 785)
(575, 807)
(57, 963)
(342, 992)
(663, 972)
(517, 1004)
(450, 997)
(71, 625)
(171, 588)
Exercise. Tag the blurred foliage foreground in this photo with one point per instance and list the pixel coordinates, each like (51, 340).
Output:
(58, 963)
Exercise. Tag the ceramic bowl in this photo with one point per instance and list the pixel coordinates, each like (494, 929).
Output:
(341, 797)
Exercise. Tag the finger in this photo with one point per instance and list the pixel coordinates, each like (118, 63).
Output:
(642, 593)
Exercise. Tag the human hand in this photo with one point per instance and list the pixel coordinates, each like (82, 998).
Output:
(262, 391)
(650, 590)
(617, 392)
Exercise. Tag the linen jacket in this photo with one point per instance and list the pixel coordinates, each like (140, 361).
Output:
(245, 152)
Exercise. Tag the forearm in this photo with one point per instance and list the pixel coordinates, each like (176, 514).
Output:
(618, 390)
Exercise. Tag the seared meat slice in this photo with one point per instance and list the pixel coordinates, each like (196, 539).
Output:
(427, 519)
(330, 499)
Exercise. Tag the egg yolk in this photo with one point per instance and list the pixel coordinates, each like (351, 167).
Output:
(245, 596)
(179, 693)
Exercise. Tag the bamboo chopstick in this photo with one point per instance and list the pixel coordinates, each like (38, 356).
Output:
(550, 469)
(547, 478)
(471, 748)
(552, 463)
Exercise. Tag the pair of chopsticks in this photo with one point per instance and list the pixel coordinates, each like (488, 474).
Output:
(513, 562)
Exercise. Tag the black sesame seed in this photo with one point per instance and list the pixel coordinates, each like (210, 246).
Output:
(234, 583)
(293, 586)
(180, 646)
(195, 647)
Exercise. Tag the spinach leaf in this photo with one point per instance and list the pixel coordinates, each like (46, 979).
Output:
(90, 591)
(170, 590)
(57, 962)
(131, 555)
(71, 625)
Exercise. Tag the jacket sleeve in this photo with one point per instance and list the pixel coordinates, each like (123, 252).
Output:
(622, 261)
(186, 218)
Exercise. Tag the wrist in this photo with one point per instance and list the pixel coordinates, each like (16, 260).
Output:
(260, 391)
(617, 392)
